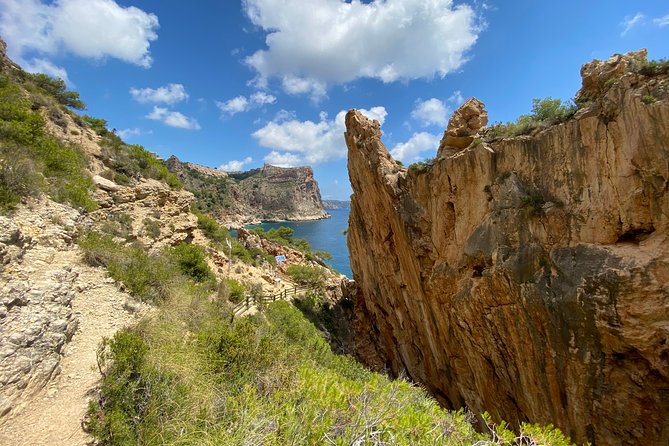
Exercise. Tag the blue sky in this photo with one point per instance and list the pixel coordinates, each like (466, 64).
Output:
(239, 83)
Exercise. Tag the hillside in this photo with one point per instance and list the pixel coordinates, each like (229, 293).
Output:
(126, 319)
(266, 194)
(524, 270)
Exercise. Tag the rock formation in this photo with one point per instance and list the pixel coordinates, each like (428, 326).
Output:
(238, 198)
(463, 127)
(528, 277)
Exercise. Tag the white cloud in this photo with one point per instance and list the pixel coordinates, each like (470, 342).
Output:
(335, 41)
(630, 22)
(418, 144)
(86, 28)
(173, 118)
(236, 165)
(430, 112)
(234, 105)
(241, 104)
(169, 94)
(45, 66)
(262, 98)
(661, 21)
(306, 142)
(456, 98)
(129, 133)
(283, 159)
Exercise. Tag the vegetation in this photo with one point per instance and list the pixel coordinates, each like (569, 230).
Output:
(655, 67)
(545, 112)
(218, 234)
(55, 87)
(192, 377)
(648, 99)
(306, 275)
(421, 166)
(284, 236)
(149, 278)
(234, 290)
(130, 160)
(39, 162)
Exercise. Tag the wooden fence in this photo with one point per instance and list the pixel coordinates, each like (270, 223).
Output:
(286, 294)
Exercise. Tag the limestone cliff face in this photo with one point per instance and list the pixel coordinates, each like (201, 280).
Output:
(528, 277)
(269, 193)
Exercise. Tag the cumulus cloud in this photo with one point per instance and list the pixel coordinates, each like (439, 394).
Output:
(129, 133)
(86, 28)
(236, 165)
(283, 159)
(661, 21)
(387, 40)
(173, 118)
(630, 22)
(430, 112)
(241, 104)
(169, 94)
(414, 149)
(296, 142)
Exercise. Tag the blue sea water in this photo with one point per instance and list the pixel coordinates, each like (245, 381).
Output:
(325, 235)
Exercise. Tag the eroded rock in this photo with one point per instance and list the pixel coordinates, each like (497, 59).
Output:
(463, 127)
(530, 281)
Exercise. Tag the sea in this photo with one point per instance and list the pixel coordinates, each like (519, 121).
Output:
(323, 235)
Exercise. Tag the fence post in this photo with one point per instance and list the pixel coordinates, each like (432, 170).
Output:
(247, 301)
(295, 291)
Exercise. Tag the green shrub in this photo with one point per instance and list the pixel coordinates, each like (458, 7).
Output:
(152, 228)
(421, 166)
(192, 263)
(35, 154)
(655, 67)
(147, 278)
(98, 125)
(56, 88)
(306, 275)
(212, 230)
(235, 290)
(545, 112)
(648, 99)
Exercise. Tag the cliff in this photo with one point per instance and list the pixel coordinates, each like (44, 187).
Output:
(269, 193)
(527, 276)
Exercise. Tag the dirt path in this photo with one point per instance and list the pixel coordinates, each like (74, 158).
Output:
(53, 415)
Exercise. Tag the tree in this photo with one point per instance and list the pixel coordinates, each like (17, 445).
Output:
(56, 88)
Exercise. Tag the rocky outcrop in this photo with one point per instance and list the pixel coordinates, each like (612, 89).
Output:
(528, 277)
(36, 292)
(463, 127)
(238, 198)
(150, 212)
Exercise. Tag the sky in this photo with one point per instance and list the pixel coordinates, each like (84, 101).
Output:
(235, 84)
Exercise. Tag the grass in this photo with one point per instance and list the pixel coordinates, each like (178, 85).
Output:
(39, 162)
(190, 376)
(149, 278)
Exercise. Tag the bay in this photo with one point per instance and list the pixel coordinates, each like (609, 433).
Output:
(324, 235)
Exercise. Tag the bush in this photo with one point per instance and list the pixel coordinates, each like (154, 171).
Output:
(655, 68)
(147, 278)
(211, 229)
(191, 261)
(306, 275)
(56, 88)
(98, 125)
(152, 228)
(545, 112)
(235, 290)
(35, 154)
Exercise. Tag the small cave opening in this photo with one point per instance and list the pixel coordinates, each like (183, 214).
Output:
(477, 271)
(636, 235)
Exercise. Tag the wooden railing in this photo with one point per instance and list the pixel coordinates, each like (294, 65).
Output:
(286, 294)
